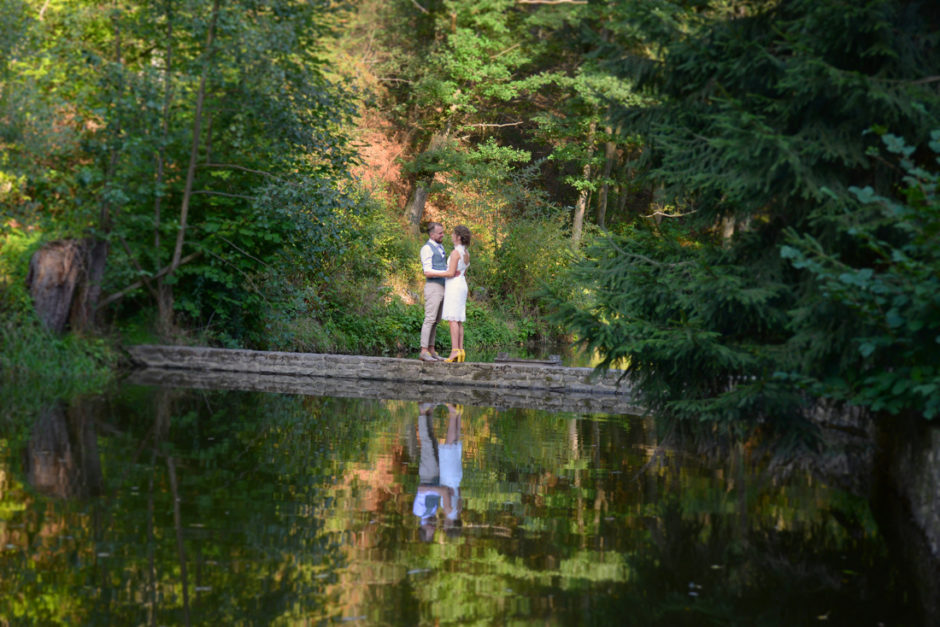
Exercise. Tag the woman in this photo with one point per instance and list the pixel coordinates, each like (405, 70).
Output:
(455, 292)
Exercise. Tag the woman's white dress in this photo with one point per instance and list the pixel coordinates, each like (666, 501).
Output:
(455, 291)
(451, 457)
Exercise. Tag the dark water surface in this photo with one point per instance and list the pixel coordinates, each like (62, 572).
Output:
(165, 506)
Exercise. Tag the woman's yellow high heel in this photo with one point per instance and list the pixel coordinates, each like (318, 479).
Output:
(463, 355)
(454, 356)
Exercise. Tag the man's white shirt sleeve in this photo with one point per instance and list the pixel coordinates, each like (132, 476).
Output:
(426, 254)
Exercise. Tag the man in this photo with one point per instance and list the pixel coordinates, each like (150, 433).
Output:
(434, 263)
(430, 494)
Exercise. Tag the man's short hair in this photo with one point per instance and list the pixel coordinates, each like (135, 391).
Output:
(432, 225)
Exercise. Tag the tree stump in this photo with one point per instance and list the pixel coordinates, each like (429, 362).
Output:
(54, 272)
(64, 281)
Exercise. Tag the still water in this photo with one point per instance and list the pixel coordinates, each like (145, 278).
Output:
(168, 506)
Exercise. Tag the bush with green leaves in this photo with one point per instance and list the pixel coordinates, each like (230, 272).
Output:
(534, 251)
(699, 333)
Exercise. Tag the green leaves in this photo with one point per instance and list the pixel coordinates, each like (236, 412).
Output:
(761, 126)
(119, 88)
(895, 310)
(694, 329)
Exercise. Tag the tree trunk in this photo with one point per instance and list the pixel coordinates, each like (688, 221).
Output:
(726, 224)
(414, 212)
(622, 197)
(164, 291)
(577, 225)
(64, 281)
(610, 155)
(167, 321)
(85, 305)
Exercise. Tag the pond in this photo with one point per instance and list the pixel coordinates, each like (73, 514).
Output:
(155, 505)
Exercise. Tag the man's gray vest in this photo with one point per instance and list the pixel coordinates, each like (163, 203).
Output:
(438, 262)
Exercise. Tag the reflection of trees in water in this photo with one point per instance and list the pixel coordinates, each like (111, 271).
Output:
(702, 568)
(835, 449)
(587, 521)
(61, 457)
(729, 537)
(299, 508)
(208, 511)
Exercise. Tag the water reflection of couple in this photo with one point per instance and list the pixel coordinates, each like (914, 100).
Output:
(445, 290)
(439, 473)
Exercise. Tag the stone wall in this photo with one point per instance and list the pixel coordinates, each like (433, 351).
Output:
(911, 456)
(907, 502)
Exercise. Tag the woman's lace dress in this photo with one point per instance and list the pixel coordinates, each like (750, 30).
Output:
(455, 291)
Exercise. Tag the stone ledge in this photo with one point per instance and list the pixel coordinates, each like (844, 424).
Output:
(470, 374)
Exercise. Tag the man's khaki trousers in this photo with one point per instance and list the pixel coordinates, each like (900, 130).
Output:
(433, 302)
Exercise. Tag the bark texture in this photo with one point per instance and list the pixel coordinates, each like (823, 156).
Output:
(415, 209)
(64, 281)
(54, 273)
(85, 303)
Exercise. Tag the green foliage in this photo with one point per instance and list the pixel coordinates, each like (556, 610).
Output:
(38, 364)
(387, 326)
(758, 122)
(533, 252)
(485, 75)
(16, 248)
(698, 333)
(101, 128)
(891, 298)
(384, 327)
(756, 117)
(486, 328)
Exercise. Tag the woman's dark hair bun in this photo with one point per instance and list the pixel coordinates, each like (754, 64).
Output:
(463, 234)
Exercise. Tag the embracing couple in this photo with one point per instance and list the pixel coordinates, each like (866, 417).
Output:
(445, 291)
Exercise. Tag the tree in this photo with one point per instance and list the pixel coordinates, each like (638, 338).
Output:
(186, 123)
(759, 119)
